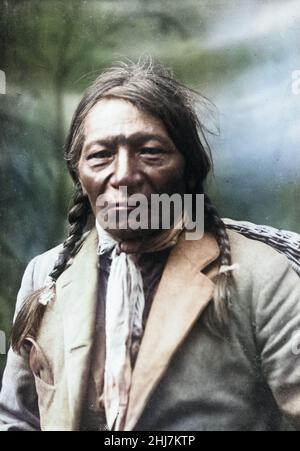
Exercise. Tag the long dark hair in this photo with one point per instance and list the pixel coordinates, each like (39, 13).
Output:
(151, 88)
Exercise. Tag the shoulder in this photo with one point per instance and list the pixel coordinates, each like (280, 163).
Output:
(38, 270)
(36, 273)
(41, 266)
(253, 251)
(284, 241)
(258, 265)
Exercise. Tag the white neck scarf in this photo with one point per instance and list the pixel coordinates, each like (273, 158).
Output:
(125, 304)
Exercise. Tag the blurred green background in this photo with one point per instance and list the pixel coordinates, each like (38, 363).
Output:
(239, 53)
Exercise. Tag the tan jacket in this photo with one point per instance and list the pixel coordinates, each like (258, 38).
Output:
(184, 378)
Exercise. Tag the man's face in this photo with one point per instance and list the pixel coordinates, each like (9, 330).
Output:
(125, 146)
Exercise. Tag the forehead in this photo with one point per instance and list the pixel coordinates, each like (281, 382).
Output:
(113, 117)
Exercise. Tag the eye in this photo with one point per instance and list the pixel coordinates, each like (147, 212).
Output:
(100, 155)
(152, 151)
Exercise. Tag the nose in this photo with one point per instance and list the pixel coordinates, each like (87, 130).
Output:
(126, 171)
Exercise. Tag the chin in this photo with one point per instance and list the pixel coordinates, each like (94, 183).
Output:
(129, 234)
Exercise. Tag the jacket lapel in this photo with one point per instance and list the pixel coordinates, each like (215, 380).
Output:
(182, 295)
(77, 297)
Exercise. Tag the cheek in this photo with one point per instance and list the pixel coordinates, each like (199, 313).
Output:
(92, 181)
(170, 179)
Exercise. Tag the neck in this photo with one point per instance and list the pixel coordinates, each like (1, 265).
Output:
(155, 242)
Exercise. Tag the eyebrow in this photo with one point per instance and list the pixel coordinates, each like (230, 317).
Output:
(137, 139)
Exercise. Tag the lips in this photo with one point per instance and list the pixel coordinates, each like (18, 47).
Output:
(122, 208)
(119, 206)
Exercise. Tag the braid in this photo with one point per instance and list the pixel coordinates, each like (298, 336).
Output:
(29, 318)
(77, 218)
(218, 317)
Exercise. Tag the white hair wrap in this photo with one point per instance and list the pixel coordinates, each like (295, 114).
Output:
(224, 269)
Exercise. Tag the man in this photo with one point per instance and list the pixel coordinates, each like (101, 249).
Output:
(143, 329)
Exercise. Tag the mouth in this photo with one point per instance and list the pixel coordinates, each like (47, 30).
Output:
(120, 206)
